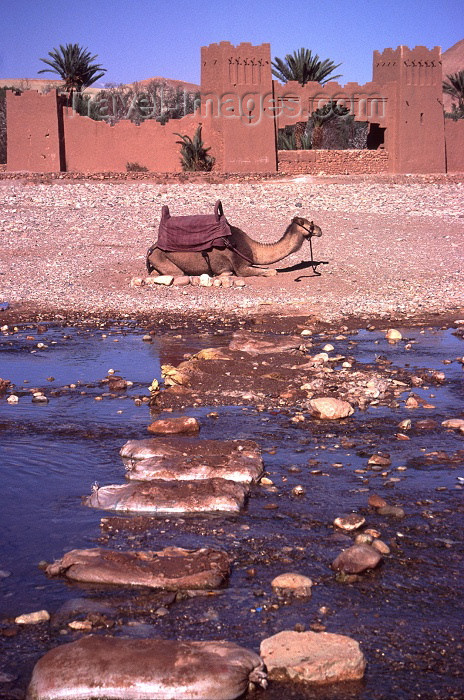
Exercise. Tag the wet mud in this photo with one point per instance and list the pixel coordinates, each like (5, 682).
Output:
(407, 614)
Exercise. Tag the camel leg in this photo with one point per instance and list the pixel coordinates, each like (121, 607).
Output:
(244, 269)
(162, 265)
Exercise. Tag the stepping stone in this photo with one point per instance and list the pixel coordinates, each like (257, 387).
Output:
(257, 344)
(314, 657)
(175, 459)
(98, 667)
(205, 495)
(171, 568)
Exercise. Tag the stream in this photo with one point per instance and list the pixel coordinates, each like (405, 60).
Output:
(407, 615)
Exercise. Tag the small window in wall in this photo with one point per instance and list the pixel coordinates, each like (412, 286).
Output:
(375, 137)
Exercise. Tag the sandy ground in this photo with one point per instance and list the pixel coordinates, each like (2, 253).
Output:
(395, 248)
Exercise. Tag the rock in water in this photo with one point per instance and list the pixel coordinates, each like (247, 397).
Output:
(328, 408)
(203, 495)
(171, 426)
(257, 344)
(97, 667)
(357, 559)
(292, 584)
(173, 459)
(393, 335)
(315, 657)
(171, 568)
(350, 522)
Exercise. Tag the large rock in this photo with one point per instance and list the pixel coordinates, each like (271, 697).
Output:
(357, 559)
(315, 657)
(173, 458)
(204, 495)
(171, 568)
(97, 667)
(328, 408)
(185, 425)
(254, 344)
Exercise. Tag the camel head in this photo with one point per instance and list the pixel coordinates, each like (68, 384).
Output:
(309, 228)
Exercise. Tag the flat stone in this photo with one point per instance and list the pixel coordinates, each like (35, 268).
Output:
(96, 667)
(379, 460)
(357, 559)
(203, 495)
(328, 408)
(314, 657)
(181, 281)
(350, 522)
(172, 568)
(254, 344)
(453, 423)
(393, 511)
(381, 546)
(174, 459)
(376, 501)
(295, 584)
(166, 280)
(32, 618)
(184, 424)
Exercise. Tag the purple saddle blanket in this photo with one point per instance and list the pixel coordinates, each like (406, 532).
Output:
(198, 232)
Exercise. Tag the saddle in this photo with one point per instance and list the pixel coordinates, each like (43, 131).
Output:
(192, 233)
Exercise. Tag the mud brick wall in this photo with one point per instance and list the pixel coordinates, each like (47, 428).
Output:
(241, 109)
(454, 135)
(345, 162)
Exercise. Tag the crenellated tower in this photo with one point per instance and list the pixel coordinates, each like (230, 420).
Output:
(237, 92)
(416, 122)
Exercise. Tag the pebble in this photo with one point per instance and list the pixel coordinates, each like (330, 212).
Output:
(376, 501)
(379, 460)
(331, 409)
(393, 511)
(453, 423)
(381, 546)
(172, 426)
(32, 618)
(292, 583)
(350, 522)
(393, 335)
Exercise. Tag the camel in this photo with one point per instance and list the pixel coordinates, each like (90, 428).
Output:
(239, 255)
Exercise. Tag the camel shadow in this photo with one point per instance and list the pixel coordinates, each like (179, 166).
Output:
(303, 265)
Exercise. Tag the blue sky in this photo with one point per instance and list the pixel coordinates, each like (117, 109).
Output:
(138, 39)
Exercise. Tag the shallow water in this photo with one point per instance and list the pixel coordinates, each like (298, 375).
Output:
(407, 615)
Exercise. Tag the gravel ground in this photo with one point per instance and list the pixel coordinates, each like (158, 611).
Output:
(394, 248)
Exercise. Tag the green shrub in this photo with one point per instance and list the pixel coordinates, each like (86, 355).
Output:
(136, 168)
(194, 155)
(286, 140)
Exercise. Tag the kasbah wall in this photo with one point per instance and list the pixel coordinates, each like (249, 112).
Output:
(242, 108)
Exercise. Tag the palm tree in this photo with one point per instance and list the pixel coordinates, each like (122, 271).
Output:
(303, 67)
(454, 86)
(74, 65)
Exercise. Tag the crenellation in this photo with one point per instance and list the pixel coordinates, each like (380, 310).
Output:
(402, 104)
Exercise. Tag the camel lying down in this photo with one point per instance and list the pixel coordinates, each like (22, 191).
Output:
(239, 254)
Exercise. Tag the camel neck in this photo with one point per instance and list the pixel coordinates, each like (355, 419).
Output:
(268, 253)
